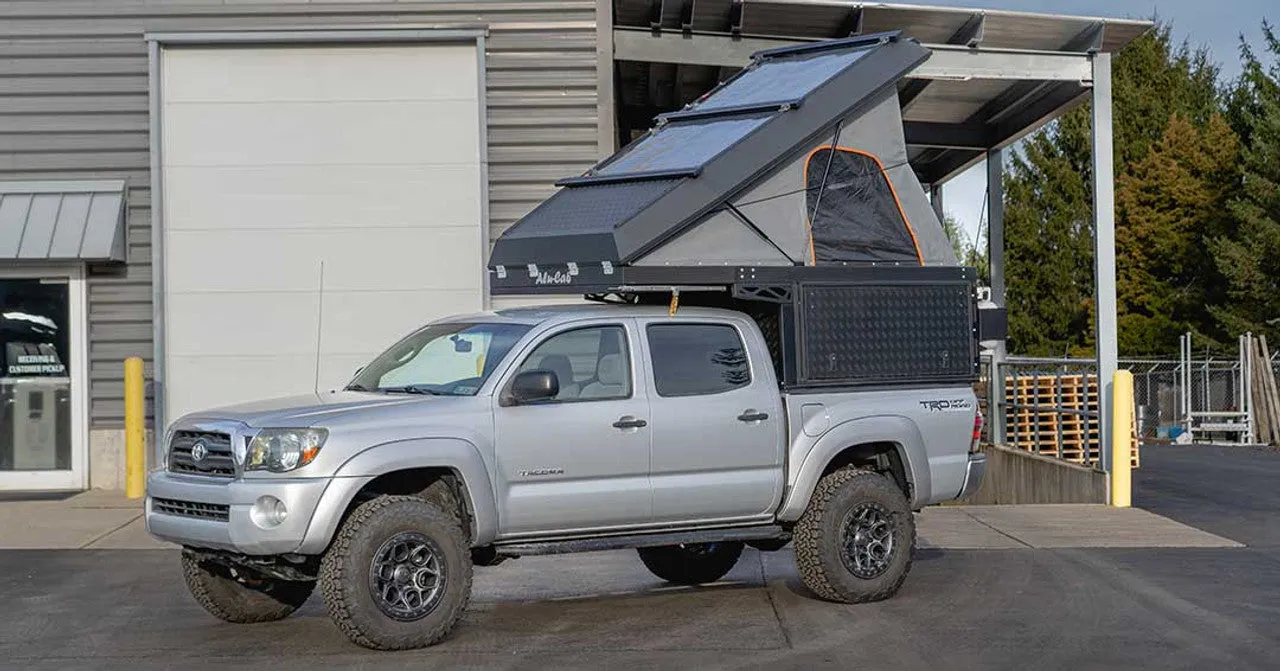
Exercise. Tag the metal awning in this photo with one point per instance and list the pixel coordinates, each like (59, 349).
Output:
(994, 76)
(62, 221)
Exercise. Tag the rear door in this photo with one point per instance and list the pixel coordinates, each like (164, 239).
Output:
(717, 422)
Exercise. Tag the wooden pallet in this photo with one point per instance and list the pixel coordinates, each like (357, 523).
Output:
(1042, 430)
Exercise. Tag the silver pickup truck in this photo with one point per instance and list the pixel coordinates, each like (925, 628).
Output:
(547, 430)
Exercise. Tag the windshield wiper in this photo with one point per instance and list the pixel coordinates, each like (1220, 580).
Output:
(411, 389)
(356, 387)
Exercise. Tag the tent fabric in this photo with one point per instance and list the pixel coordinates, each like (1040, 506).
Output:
(780, 204)
(878, 131)
(775, 205)
(854, 214)
(721, 239)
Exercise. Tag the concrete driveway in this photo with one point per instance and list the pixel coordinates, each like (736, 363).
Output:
(1035, 603)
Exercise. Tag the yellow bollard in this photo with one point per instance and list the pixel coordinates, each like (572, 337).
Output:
(134, 430)
(1122, 440)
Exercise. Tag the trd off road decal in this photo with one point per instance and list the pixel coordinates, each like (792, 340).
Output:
(955, 405)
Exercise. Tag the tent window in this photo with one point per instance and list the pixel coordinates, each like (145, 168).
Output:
(854, 214)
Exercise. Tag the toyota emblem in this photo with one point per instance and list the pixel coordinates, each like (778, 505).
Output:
(199, 452)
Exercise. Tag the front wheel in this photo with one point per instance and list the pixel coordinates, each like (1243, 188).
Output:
(239, 595)
(398, 574)
(854, 542)
(691, 564)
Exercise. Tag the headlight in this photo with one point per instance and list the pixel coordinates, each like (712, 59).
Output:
(162, 464)
(280, 450)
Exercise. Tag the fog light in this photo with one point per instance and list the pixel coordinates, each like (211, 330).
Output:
(268, 512)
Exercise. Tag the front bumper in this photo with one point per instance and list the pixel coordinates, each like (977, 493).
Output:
(976, 468)
(303, 498)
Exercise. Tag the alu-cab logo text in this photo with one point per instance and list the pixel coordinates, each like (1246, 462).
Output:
(557, 277)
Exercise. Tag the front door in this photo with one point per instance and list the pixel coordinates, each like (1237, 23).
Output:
(579, 461)
(717, 425)
(41, 435)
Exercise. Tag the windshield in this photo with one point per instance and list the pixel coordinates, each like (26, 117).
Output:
(442, 359)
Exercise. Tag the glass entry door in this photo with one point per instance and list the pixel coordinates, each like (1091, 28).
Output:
(38, 440)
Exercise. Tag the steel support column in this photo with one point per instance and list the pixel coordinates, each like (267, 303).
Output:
(606, 114)
(995, 261)
(1104, 251)
(995, 223)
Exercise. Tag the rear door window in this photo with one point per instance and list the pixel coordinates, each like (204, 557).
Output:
(697, 359)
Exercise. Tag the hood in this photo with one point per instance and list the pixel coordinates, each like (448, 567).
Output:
(306, 409)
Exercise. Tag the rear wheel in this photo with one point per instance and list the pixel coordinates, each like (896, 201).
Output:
(691, 564)
(239, 595)
(854, 542)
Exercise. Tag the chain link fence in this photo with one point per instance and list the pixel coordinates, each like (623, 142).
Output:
(1215, 387)
(1157, 386)
(1049, 402)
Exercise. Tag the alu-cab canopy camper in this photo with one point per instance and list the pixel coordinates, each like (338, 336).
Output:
(785, 192)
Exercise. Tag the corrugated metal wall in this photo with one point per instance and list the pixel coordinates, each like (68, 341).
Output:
(73, 105)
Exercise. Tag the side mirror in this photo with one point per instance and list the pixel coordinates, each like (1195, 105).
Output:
(534, 385)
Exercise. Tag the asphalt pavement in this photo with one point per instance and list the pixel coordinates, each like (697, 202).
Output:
(1179, 608)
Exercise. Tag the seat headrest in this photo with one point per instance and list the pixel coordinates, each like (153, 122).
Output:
(558, 364)
(611, 370)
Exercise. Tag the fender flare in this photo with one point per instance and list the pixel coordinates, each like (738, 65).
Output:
(460, 456)
(895, 429)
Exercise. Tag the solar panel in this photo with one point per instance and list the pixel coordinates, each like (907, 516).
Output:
(598, 209)
(780, 80)
(686, 145)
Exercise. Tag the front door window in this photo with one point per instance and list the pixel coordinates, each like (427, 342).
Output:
(35, 376)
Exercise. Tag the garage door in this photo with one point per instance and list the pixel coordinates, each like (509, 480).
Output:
(319, 202)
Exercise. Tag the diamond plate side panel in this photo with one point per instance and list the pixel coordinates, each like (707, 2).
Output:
(877, 333)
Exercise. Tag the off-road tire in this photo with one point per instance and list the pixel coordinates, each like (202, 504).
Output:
(345, 573)
(691, 564)
(241, 596)
(818, 536)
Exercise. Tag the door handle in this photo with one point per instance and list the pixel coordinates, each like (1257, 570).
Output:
(629, 422)
(750, 415)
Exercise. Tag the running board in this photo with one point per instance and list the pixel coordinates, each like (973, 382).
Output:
(553, 547)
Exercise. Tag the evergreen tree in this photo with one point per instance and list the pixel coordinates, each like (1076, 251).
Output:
(1048, 210)
(1173, 203)
(1048, 249)
(955, 233)
(1250, 259)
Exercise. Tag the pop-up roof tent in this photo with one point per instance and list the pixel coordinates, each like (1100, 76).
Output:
(785, 192)
(799, 159)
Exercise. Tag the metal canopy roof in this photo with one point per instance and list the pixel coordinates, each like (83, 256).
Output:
(62, 221)
(994, 76)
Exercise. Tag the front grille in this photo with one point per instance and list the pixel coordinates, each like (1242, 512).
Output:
(216, 460)
(203, 511)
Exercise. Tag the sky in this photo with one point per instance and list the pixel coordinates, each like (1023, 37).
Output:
(1216, 24)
